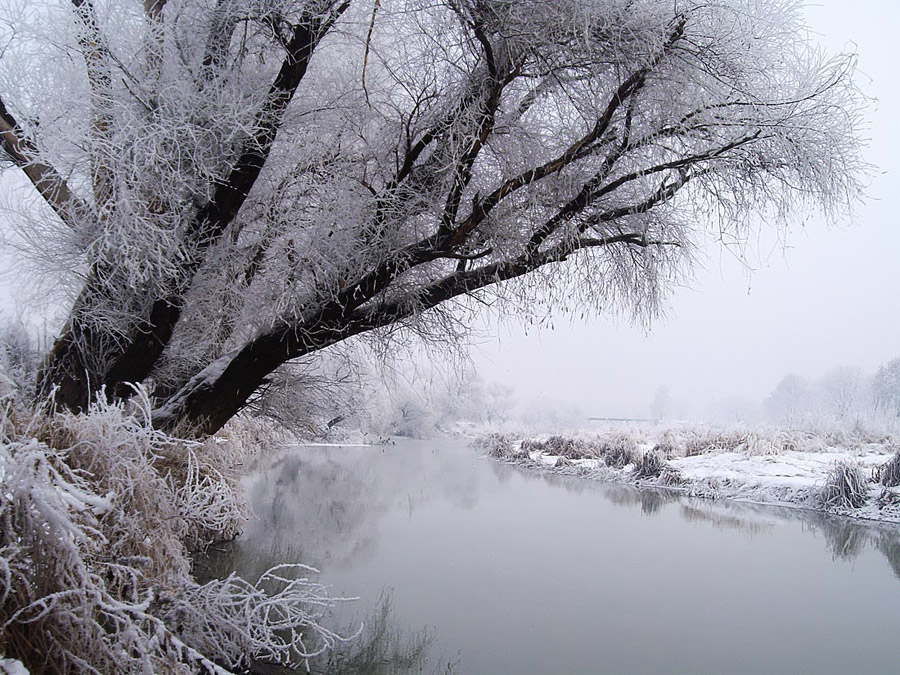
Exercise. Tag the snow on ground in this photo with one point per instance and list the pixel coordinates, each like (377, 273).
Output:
(790, 469)
(836, 473)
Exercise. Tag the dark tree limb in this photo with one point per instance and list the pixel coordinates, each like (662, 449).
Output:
(222, 389)
(51, 186)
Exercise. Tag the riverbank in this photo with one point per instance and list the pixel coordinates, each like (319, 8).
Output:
(842, 474)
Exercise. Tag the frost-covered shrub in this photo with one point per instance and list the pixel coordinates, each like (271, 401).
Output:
(795, 440)
(888, 498)
(837, 438)
(696, 446)
(563, 463)
(275, 620)
(530, 445)
(570, 448)
(670, 477)
(705, 441)
(97, 516)
(668, 446)
(755, 444)
(845, 487)
(20, 359)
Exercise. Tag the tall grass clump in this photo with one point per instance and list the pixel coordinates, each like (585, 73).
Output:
(651, 465)
(845, 487)
(99, 514)
(496, 445)
(888, 474)
(619, 450)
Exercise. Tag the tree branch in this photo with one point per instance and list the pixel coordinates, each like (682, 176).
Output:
(49, 183)
(224, 387)
(96, 60)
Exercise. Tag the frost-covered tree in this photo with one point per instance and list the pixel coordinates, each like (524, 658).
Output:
(841, 390)
(235, 184)
(661, 404)
(886, 387)
(792, 400)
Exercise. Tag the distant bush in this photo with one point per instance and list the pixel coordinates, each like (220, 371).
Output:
(495, 445)
(668, 446)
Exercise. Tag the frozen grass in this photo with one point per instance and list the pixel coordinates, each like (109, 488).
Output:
(619, 450)
(888, 474)
(824, 471)
(845, 487)
(99, 513)
(651, 465)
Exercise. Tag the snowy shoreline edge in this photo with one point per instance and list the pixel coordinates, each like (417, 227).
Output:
(861, 481)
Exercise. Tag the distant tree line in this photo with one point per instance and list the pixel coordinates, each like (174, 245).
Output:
(844, 396)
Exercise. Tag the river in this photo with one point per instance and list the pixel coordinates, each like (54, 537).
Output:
(467, 565)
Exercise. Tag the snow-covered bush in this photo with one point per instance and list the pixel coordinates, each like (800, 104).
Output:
(19, 360)
(667, 445)
(561, 446)
(98, 513)
(845, 487)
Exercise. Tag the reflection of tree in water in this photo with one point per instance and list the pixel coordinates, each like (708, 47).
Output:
(383, 648)
(321, 505)
(889, 545)
(698, 512)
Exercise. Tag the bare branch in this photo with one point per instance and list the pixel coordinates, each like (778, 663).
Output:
(47, 180)
(96, 61)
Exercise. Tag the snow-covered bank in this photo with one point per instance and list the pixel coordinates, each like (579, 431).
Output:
(845, 475)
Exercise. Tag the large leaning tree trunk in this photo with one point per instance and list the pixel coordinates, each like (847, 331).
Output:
(239, 183)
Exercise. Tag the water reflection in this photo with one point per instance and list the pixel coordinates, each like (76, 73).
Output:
(695, 513)
(380, 646)
(383, 647)
(488, 553)
(845, 538)
(322, 505)
(889, 545)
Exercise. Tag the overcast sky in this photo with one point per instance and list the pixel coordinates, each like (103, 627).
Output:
(830, 298)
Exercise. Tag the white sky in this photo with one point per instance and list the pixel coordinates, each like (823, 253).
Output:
(831, 298)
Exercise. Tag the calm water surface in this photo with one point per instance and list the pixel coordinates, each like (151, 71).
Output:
(510, 571)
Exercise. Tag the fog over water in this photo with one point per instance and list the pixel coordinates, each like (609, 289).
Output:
(820, 297)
